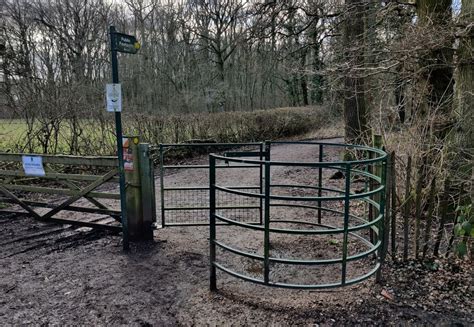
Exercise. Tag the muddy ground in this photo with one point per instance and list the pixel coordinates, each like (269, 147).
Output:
(58, 275)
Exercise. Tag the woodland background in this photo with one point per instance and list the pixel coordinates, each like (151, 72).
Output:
(215, 70)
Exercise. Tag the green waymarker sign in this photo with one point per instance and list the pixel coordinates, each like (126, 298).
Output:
(125, 43)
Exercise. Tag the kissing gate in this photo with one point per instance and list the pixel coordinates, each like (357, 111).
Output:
(314, 216)
(245, 187)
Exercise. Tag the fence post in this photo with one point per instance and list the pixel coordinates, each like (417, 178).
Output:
(393, 200)
(133, 192)
(418, 197)
(212, 223)
(379, 170)
(266, 222)
(147, 181)
(387, 213)
(406, 210)
(320, 181)
(162, 186)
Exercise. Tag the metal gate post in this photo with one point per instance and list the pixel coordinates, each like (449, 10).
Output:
(320, 181)
(347, 200)
(381, 225)
(260, 182)
(133, 192)
(212, 222)
(266, 236)
(147, 181)
(162, 186)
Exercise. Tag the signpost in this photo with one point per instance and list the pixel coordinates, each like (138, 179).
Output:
(128, 44)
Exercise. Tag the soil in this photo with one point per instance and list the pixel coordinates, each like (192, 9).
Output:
(60, 275)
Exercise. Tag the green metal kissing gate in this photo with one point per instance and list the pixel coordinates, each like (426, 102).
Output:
(348, 212)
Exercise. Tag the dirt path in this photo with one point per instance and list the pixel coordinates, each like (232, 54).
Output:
(68, 276)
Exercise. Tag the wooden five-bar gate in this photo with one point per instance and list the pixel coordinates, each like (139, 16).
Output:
(84, 184)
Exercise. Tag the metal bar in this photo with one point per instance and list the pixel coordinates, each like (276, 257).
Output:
(393, 200)
(320, 181)
(307, 187)
(153, 188)
(171, 224)
(266, 240)
(299, 286)
(212, 222)
(239, 252)
(260, 184)
(346, 224)
(303, 198)
(198, 188)
(207, 166)
(162, 186)
(300, 261)
(307, 164)
(172, 145)
(380, 235)
(237, 154)
(207, 208)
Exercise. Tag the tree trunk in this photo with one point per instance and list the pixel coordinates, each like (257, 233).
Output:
(355, 111)
(437, 65)
(464, 137)
(400, 100)
(303, 81)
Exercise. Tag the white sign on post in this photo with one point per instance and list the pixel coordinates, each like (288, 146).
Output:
(114, 97)
(33, 165)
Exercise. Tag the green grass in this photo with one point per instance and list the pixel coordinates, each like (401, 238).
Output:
(11, 131)
(97, 137)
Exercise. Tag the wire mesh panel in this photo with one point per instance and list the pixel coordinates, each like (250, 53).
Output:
(185, 186)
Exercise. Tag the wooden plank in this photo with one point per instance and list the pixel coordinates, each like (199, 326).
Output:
(80, 194)
(64, 159)
(61, 191)
(72, 185)
(86, 224)
(19, 202)
(109, 212)
(51, 175)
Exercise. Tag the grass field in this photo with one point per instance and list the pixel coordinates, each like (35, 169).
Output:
(98, 136)
(11, 130)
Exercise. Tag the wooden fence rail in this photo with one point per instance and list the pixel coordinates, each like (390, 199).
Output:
(16, 187)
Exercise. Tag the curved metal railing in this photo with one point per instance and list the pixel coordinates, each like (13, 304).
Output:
(367, 164)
